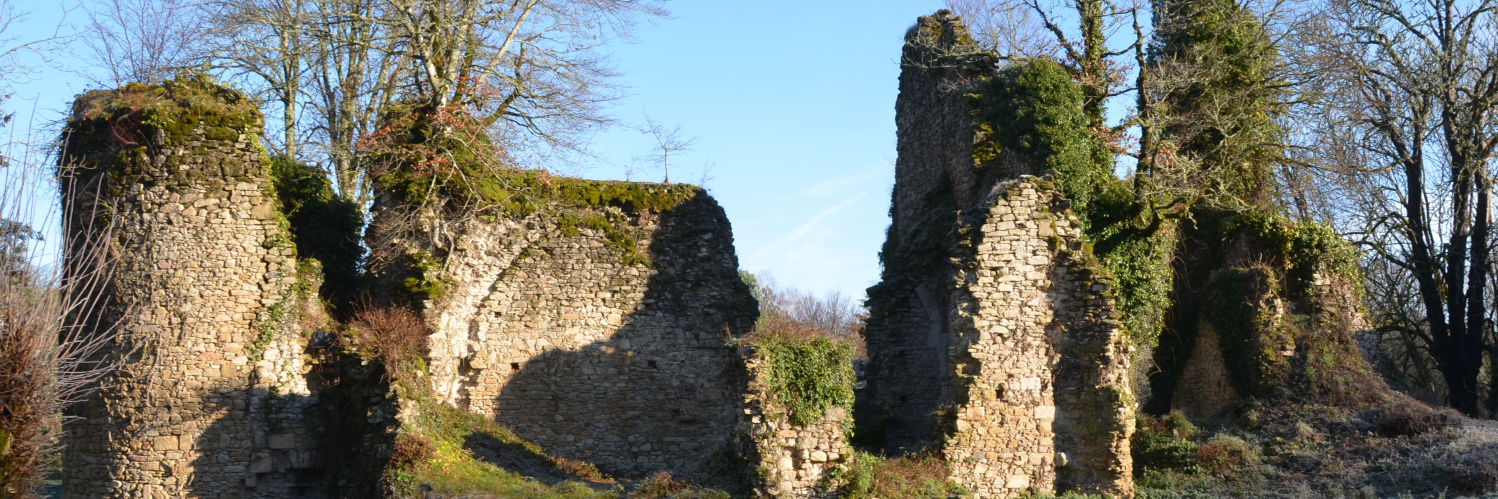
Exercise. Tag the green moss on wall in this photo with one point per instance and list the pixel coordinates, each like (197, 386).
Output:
(122, 130)
(425, 282)
(458, 170)
(1249, 334)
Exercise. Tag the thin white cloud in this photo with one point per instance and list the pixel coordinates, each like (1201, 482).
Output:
(806, 227)
(840, 183)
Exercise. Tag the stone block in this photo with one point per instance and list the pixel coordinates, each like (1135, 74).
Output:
(281, 441)
(165, 443)
(261, 463)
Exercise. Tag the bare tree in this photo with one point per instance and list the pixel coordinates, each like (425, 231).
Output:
(48, 340)
(143, 41)
(13, 48)
(1415, 90)
(668, 142)
(353, 81)
(530, 71)
(266, 41)
(1010, 28)
(787, 309)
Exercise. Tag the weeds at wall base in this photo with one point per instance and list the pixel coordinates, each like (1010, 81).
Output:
(917, 476)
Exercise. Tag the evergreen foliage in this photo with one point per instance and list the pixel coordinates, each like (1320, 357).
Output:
(323, 225)
(1215, 72)
(1033, 110)
(808, 374)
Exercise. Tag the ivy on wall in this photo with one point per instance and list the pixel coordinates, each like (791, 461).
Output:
(1032, 112)
(809, 374)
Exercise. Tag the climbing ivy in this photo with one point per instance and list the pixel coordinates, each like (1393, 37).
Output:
(809, 374)
(1223, 120)
(1032, 111)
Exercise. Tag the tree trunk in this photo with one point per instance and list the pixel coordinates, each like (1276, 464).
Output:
(1460, 373)
(1477, 282)
(1095, 76)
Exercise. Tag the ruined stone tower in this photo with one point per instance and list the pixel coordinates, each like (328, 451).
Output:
(208, 398)
(992, 336)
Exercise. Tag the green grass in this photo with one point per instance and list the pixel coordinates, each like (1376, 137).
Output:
(453, 470)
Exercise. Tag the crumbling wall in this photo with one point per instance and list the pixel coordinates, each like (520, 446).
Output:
(1041, 363)
(787, 460)
(993, 334)
(209, 397)
(934, 177)
(1264, 307)
(595, 352)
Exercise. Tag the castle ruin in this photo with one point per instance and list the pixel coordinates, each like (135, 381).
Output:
(601, 326)
(992, 336)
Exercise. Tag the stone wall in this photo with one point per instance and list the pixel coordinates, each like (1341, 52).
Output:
(209, 396)
(552, 330)
(992, 334)
(1043, 398)
(934, 177)
(786, 460)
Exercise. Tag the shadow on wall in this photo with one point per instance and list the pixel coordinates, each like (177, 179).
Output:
(265, 444)
(250, 450)
(656, 394)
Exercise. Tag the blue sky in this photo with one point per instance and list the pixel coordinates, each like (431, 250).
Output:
(793, 102)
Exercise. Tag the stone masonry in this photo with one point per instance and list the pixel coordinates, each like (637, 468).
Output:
(555, 334)
(992, 335)
(208, 397)
(1043, 398)
(934, 177)
(787, 460)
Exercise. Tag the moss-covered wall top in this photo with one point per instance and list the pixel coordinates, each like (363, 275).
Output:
(125, 131)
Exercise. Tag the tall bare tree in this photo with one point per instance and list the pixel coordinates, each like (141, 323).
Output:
(1414, 85)
(266, 41)
(143, 41)
(353, 80)
(530, 68)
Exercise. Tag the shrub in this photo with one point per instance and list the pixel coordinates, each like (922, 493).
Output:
(1163, 443)
(1407, 418)
(1224, 455)
(663, 486)
(394, 336)
(1475, 474)
(411, 449)
(809, 374)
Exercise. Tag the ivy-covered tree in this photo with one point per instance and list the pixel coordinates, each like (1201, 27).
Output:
(1217, 100)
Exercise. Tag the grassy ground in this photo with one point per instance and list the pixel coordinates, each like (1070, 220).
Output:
(452, 453)
(1402, 449)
